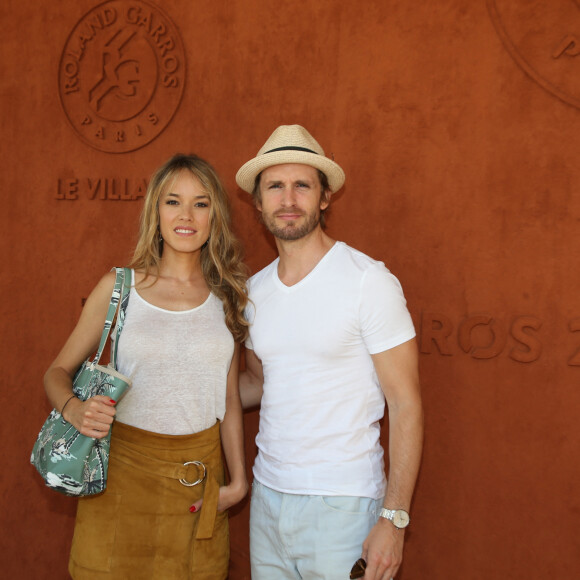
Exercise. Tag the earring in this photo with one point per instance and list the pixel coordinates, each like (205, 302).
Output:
(205, 244)
(160, 236)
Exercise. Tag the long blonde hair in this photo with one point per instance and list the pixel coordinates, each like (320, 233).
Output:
(221, 257)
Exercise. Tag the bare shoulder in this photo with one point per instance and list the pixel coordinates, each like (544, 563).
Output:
(86, 335)
(101, 294)
(105, 284)
(144, 281)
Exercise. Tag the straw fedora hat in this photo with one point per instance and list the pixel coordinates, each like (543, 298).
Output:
(290, 144)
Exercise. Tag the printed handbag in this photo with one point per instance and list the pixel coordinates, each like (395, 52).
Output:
(69, 462)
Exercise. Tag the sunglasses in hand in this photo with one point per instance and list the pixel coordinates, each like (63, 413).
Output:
(358, 570)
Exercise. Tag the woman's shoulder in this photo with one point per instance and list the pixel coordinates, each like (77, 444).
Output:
(142, 278)
(106, 284)
(98, 300)
(104, 288)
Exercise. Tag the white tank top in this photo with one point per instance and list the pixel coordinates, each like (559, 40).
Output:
(178, 361)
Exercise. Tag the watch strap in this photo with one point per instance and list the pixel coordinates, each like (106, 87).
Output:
(399, 518)
(387, 514)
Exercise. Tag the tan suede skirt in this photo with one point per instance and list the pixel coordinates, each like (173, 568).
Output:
(141, 526)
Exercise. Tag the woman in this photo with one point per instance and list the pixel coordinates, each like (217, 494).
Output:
(180, 346)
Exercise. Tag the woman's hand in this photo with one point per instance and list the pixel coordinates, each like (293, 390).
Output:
(92, 417)
(229, 496)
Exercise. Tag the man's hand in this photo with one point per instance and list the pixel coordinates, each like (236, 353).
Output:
(383, 551)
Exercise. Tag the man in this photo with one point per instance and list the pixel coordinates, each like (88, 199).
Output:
(330, 340)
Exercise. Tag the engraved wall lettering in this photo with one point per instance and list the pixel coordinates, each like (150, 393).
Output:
(570, 46)
(435, 330)
(529, 348)
(101, 188)
(122, 75)
(543, 39)
(493, 340)
(484, 336)
(67, 189)
(94, 186)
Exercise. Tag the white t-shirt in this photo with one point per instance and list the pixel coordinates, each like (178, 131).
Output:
(178, 361)
(322, 401)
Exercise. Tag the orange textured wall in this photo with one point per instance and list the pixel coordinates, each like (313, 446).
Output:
(457, 125)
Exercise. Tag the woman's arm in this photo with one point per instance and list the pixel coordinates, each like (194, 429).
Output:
(94, 416)
(232, 434)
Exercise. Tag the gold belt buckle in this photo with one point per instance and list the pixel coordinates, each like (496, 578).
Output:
(189, 483)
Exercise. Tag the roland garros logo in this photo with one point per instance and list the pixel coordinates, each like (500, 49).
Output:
(543, 37)
(122, 75)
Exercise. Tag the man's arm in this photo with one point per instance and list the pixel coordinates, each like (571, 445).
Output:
(251, 381)
(397, 370)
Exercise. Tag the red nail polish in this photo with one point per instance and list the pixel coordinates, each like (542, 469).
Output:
(114, 402)
(192, 509)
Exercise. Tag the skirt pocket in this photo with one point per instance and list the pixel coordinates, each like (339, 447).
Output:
(95, 529)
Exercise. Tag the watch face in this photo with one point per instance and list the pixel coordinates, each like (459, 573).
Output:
(401, 519)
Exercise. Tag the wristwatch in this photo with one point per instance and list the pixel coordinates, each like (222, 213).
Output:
(399, 518)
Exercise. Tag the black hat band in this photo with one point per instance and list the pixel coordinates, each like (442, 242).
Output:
(290, 148)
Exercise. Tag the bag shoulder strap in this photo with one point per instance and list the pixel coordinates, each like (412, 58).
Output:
(125, 292)
(114, 302)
